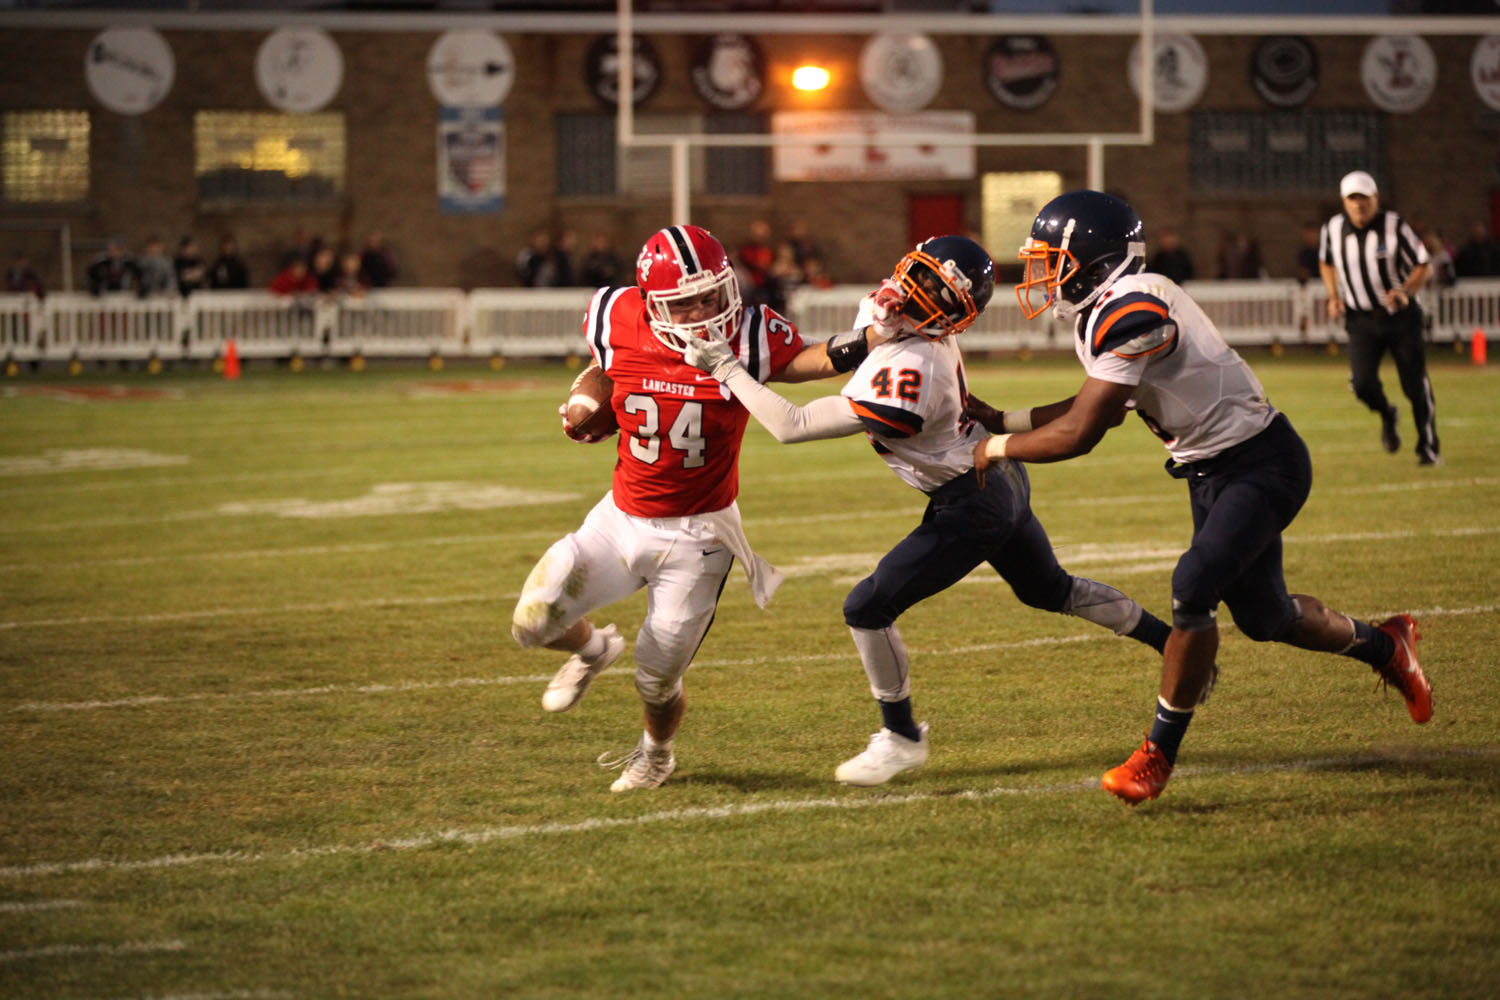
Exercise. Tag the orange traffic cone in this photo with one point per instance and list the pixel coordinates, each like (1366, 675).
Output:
(231, 360)
(1477, 346)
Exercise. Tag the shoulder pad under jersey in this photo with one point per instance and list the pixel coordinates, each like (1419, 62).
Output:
(1131, 325)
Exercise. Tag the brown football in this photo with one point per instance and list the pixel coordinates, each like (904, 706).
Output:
(588, 406)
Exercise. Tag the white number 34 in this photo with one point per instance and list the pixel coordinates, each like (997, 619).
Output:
(685, 434)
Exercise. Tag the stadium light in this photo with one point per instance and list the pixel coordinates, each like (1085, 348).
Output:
(810, 78)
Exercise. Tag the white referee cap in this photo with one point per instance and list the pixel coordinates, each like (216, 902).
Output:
(1357, 182)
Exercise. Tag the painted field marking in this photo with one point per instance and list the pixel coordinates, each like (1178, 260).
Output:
(854, 800)
(104, 948)
(400, 687)
(37, 905)
(183, 616)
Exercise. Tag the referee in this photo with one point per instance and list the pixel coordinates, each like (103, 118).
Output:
(1372, 265)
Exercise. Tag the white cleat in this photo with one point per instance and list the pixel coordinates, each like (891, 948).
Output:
(887, 756)
(569, 684)
(644, 768)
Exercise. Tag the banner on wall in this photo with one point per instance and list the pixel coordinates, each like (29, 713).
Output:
(471, 161)
(880, 158)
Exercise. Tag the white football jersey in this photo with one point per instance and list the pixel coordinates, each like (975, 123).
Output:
(1194, 391)
(909, 393)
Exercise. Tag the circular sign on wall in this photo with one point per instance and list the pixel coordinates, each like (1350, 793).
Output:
(1020, 71)
(729, 71)
(129, 70)
(1484, 69)
(1399, 72)
(1181, 71)
(1284, 70)
(299, 69)
(601, 70)
(470, 69)
(901, 71)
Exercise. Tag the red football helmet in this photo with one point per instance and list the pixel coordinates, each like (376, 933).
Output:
(689, 284)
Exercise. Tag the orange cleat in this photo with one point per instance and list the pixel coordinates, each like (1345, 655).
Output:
(1141, 777)
(1403, 672)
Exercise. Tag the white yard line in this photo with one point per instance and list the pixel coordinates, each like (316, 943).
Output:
(401, 687)
(38, 905)
(851, 800)
(103, 948)
(182, 616)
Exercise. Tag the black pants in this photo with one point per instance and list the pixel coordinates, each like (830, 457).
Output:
(1242, 500)
(1373, 333)
(964, 526)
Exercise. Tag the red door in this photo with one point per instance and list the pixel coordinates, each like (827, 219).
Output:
(929, 215)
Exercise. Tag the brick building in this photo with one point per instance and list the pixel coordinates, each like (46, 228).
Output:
(1207, 171)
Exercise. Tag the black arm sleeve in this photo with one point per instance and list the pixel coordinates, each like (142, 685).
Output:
(847, 350)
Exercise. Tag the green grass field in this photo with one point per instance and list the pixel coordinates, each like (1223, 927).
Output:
(265, 732)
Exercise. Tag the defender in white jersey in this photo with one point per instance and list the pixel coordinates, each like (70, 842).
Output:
(1147, 346)
(908, 397)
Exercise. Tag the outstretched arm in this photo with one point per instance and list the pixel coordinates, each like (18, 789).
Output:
(1014, 421)
(1098, 406)
(828, 417)
(843, 352)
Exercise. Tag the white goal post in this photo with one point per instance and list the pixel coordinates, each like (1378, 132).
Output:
(681, 143)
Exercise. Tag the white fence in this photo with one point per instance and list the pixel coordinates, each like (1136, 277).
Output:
(515, 323)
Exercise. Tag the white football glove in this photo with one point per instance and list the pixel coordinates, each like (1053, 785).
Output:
(573, 433)
(710, 353)
(885, 306)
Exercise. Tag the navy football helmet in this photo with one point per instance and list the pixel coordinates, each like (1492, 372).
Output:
(1080, 244)
(946, 281)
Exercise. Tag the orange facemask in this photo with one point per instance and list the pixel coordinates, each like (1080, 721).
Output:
(928, 316)
(1047, 268)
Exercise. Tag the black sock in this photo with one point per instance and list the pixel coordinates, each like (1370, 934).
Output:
(1168, 729)
(897, 717)
(1371, 645)
(1151, 630)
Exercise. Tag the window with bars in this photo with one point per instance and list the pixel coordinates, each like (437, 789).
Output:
(45, 156)
(588, 165)
(1278, 153)
(269, 158)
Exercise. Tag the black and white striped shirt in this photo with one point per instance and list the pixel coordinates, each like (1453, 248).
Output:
(1370, 262)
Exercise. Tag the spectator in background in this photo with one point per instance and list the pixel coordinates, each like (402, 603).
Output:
(1239, 258)
(294, 279)
(114, 271)
(535, 265)
(802, 244)
(813, 275)
(303, 246)
(191, 271)
(21, 278)
(1441, 259)
(1307, 253)
(229, 270)
(785, 276)
(1171, 258)
(157, 275)
(351, 280)
(1480, 257)
(325, 269)
(375, 261)
(563, 248)
(602, 267)
(756, 255)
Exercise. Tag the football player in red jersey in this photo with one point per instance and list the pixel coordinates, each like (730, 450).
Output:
(670, 523)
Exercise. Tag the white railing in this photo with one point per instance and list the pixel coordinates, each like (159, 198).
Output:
(517, 323)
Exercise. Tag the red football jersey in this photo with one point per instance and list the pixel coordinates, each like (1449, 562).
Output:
(680, 430)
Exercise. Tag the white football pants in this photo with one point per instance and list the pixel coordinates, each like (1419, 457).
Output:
(679, 561)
